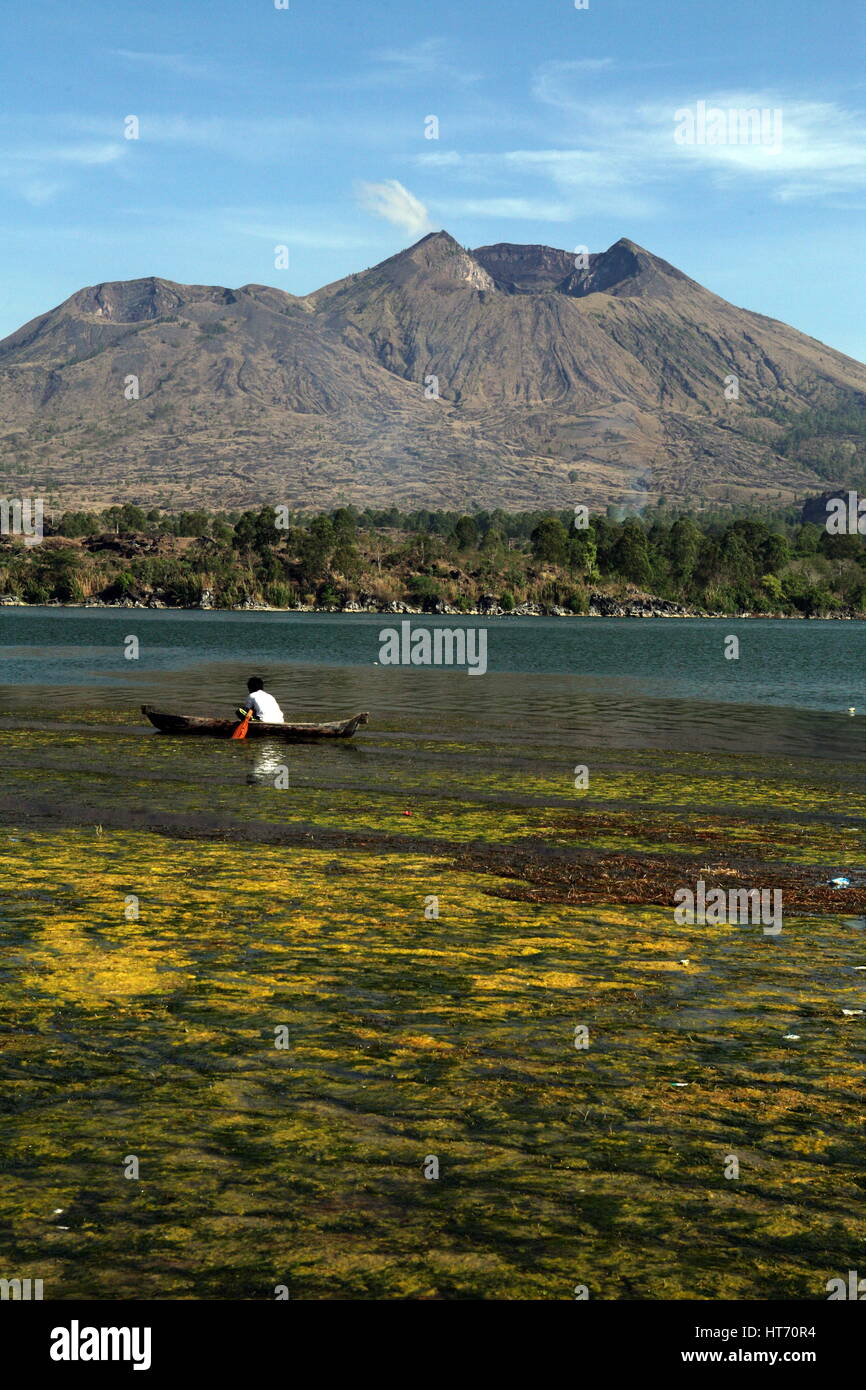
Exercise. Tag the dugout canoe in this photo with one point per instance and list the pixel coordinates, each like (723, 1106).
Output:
(224, 728)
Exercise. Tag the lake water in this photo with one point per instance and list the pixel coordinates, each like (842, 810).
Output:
(166, 903)
(656, 683)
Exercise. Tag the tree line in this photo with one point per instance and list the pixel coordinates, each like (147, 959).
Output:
(763, 563)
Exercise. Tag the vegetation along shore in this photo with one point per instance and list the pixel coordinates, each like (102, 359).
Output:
(658, 564)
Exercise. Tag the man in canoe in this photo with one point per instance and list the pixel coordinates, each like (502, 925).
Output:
(263, 705)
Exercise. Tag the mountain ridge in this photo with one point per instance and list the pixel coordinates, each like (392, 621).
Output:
(507, 376)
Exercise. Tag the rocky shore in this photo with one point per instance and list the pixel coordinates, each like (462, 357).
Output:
(600, 606)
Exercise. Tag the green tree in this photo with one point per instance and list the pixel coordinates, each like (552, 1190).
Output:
(316, 548)
(808, 538)
(549, 541)
(631, 557)
(777, 553)
(583, 553)
(465, 533)
(684, 544)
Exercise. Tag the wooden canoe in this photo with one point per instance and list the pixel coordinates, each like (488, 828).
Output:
(224, 728)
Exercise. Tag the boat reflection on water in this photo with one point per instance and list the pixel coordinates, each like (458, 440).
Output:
(270, 765)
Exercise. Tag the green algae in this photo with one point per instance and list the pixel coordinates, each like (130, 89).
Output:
(411, 1036)
(151, 1032)
(668, 804)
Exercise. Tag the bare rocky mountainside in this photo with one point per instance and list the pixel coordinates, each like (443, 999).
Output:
(556, 384)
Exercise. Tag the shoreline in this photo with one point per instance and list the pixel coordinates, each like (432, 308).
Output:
(607, 608)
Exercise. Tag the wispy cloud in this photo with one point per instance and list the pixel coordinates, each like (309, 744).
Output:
(822, 149)
(276, 139)
(39, 171)
(395, 68)
(428, 58)
(621, 158)
(176, 63)
(104, 152)
(509, 209)
(280, 227)
(391, 201)
(252, 139)
(555, 82)
(579, 183)
(38, 192)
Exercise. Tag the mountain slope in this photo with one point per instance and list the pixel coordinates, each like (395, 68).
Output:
(440, 377)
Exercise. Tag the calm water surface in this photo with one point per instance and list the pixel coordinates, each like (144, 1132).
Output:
(657, 683)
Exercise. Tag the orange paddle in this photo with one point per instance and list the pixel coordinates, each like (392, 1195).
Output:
(241, 730)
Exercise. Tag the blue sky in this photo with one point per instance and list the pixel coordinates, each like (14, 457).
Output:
(305, 127)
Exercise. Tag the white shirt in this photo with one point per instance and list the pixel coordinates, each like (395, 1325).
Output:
(265, 707)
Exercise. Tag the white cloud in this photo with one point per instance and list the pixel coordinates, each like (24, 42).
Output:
(623, 159)
(396, 204)
(809, 148)
(822, 149)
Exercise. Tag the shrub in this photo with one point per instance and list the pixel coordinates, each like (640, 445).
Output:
(424, 590)
(772, 585)
(577, 601)
(36, 592)
(280, 595)
(328, 596)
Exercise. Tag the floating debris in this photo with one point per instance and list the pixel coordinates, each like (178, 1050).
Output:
(840, 882)
(791, 1037)
(852, 1013)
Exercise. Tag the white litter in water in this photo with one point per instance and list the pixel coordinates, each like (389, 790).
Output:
(852, 1013)
(791, 1037)
(680, 1083)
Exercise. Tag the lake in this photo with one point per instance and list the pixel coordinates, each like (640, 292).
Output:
(658, 683)
(287, 978)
